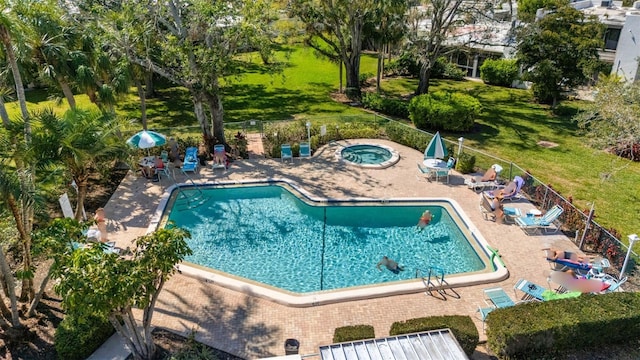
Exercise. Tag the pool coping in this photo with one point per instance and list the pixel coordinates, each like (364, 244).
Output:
(395, 156)
(339, 295)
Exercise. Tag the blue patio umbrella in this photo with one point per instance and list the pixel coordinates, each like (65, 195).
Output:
(146, 139)
(436, 149)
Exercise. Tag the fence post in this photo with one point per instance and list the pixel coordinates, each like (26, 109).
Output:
(587, 225)
(460, 142)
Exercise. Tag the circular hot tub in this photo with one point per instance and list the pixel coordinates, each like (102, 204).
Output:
(368, 155)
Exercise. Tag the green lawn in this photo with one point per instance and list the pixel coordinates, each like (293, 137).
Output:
(510, 126)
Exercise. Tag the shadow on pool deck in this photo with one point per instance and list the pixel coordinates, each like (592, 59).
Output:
(253, 327)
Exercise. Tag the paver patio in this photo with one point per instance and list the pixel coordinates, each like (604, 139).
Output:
(253, 327)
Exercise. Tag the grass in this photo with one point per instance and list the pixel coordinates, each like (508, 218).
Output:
(510, 126)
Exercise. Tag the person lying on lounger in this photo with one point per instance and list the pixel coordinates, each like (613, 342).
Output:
(390, 265)
(489, 175)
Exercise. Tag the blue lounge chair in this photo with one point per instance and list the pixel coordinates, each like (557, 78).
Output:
(219, 157)
(190, 160)
(285, 152)
(532, 292)
(496, 298)
(305, 150)
(532, 223)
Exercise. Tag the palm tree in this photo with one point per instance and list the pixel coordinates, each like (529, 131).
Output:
(81, 141)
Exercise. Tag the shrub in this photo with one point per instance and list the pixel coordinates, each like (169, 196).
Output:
(501, 72)
(462, 327)
(445, 69)
(465, 163)
(364, 77)
(407, 64)
(79, 338)
(444, 111)
(393, 107)
(550, 329)
(352, 333)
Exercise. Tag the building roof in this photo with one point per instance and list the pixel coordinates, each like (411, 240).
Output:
(432, 345)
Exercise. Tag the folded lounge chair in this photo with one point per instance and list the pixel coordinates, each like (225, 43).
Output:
(546, 222)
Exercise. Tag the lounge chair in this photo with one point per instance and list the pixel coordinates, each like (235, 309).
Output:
(496, 298)
(305, 150)
(489, 181)
(532, 292)
(510, 213)
(190, 160)
(219, 157)
(285, 152)
(531, 223)
(509, 192)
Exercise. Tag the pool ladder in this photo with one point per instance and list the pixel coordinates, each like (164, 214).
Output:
(434, 281)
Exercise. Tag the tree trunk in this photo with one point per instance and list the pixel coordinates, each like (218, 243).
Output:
(68, 94)
(5, 37)
(217, 114)
(82, 194)
(379, 73)
(4, 267)
(150, 91)
(39, 294)
(425, 75)
(3, 114)
(198, 106)
(341, 75)
(143, 103)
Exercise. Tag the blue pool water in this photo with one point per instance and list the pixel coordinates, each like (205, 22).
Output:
(366, 154)
(267, 234)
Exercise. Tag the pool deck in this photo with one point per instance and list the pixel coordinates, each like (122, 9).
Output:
(252, 327)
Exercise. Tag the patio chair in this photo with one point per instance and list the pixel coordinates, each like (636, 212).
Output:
(164, 155)
(532, 223)
(285, 152)
(305, 150)
(425, 172)
(190, 160)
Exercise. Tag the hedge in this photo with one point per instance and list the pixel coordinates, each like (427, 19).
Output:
(79, 338)
(353, 333)
(547, 329)
(444, 111)
(500, 72)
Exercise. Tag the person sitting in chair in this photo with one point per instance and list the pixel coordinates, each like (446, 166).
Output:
(390, 265)
(496, 205)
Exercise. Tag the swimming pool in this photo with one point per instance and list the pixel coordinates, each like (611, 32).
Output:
(265, 235)
(368, 155)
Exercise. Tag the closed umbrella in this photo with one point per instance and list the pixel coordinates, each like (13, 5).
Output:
(146, 139)
(436, 149)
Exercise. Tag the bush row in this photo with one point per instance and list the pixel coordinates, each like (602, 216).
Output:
(548, 329)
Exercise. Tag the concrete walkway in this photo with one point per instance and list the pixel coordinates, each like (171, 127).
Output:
(252, 327)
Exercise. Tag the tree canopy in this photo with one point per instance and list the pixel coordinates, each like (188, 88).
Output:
(559, 51)
(612, 120)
